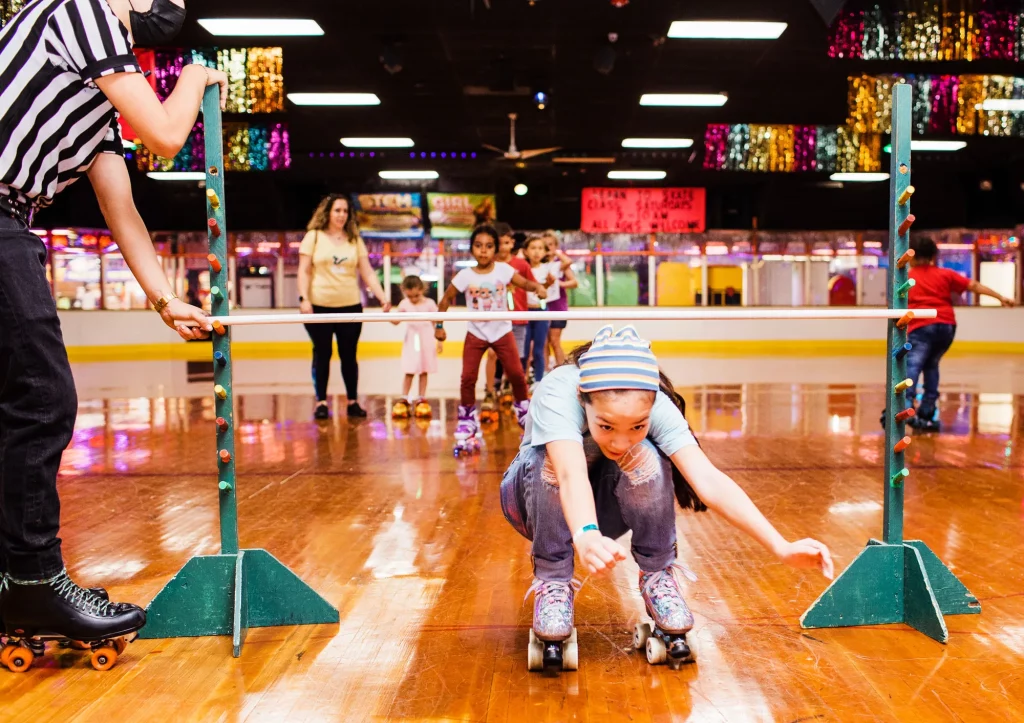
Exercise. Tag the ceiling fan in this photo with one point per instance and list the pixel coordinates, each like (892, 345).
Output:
(513, 153)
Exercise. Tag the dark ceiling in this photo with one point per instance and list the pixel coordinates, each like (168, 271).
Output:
(466, 64)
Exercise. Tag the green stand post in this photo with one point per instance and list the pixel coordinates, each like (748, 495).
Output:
(895, 580)
(226, 594)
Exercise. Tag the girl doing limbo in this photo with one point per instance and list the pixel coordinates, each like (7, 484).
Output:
(606, 445)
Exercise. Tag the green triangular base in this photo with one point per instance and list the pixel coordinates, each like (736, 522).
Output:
(228, 594)
(903, 583)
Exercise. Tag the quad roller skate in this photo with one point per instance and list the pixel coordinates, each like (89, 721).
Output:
(400, 409)
(505, 396)
(665, 640)
(422, 409)
(489, 409)
(467, 432)
(58, 610)
(553, 642)
(926, 423)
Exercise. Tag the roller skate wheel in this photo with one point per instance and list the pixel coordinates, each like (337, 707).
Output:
(5, 655)
(534, 653)
(20, 659)
(570, 654)
(641, 633)
(656, 652)
(104, 658)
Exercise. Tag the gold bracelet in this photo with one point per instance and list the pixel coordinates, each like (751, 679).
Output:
(161, 303)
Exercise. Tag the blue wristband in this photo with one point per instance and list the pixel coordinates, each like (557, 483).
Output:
(585, 528)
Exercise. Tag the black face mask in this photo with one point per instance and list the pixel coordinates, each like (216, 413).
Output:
(159, 25)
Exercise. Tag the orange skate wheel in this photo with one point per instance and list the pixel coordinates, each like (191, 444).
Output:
(104, 658)
(5, 655)
(20, 659)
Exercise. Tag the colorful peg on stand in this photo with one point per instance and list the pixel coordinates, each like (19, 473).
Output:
(220, 391)
(903, 289)
(902, 200)
(902, 445)
(222, 424)
(225, 456)
(219, 328)
(224, 486)
(905, 415)
(215, 292)
(907, 223)
(215, 227)
(904, 320)
(901, 351)
(903, 386)
(897, 479)
(212, 197)
(214, 262)
(218, 356)
(905, 258)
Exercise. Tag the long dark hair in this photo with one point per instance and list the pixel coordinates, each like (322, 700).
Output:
(685, 494)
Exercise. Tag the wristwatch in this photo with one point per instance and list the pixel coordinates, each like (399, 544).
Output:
(439, 325)
(161, 303)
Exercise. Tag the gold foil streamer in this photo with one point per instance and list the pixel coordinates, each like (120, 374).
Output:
(869, 99)
(236, 147)
(234, 62)
(971, 95)
(996, 122)
(265, 80)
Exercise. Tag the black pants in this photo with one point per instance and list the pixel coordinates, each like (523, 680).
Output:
(323, 341)
(38, 405)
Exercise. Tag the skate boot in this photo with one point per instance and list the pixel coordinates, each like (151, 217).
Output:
(467, 432)
(505, 395)
(322, 411)
(59, 610)
(400, 409)
(422, 409)
(665, 640)
(100, 592)
(553, 642)
(521, 409)
(489, 409)
(927, 422)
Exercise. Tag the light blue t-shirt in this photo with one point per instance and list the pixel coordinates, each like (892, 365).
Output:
(556, 414)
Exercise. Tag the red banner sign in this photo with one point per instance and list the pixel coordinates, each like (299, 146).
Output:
(642, 210)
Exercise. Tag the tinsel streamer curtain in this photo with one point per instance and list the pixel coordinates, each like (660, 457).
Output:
(8, 8)
(247, 147)
(255, 80)
(788, 148)
(929, 30)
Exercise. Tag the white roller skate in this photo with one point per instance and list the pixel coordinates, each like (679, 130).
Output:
(553, 643)
(467, 432)
(665, 640)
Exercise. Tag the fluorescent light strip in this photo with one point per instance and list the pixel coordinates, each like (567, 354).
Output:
(636, 175)
(409, 175)
(377, 142)
(1004, 104)
(859, 177)
(584, 159)
(931, 146)
(726, 29)
(261, 26)
(177, 175)
(684, 99)
(334, 98)
(657, 142)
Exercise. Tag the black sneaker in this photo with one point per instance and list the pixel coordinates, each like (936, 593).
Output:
(354, 410)
(322, 411)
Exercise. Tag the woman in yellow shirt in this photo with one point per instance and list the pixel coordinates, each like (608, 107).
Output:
(332, 258)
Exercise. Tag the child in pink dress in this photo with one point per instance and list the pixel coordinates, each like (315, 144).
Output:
(419, 350)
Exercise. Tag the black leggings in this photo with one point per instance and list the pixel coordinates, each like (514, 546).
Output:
(323, 341)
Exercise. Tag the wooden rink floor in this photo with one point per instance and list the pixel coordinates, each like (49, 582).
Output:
(411, 546)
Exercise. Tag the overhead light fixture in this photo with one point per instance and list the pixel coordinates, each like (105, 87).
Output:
(583, 159)
(931, 146)
(636, 175)
(726, 29)
(521, 189)
(261, 26)
(711, 100)
(177, 175)
(377, 142)
(541, 99)
(334, 98)
(859, 177)
(409, 175)
(657, 142)
(1006, 104)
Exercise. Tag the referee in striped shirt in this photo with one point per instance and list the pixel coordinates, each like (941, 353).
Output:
(66, 71)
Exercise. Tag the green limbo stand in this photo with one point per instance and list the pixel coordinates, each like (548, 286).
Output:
(895, 580)
(226, 594)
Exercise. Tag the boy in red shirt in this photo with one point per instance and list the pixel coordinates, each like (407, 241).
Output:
(931, 338)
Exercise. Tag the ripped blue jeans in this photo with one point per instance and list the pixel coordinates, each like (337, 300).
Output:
(634, 494)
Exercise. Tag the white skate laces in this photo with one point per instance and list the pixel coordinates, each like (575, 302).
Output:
(558, 591)
(85, 600)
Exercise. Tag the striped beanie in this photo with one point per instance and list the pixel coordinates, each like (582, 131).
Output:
(618, 360)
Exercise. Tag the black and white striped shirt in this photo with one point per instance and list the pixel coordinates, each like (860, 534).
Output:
(54, 121)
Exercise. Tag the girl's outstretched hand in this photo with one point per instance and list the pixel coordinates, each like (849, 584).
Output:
(599, 553)
(808, 553)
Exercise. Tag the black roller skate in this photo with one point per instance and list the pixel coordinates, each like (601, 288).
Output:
(665, 640)
(60, 611)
